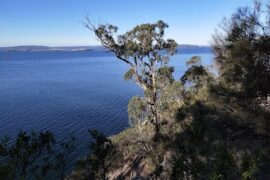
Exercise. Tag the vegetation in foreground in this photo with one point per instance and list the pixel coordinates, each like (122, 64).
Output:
(202, 126)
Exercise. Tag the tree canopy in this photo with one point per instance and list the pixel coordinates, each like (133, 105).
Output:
(242, 52)
(147, 53)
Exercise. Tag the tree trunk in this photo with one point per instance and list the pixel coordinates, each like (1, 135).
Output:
(155, 119)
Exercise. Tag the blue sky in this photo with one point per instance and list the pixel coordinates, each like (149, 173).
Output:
(60, 22)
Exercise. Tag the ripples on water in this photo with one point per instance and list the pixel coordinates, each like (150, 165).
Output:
(67, 93)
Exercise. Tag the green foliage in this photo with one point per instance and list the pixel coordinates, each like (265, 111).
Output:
(200, 143)
(147, 53)
(242, 53)
(137, 110)
(99, 159)
(249, 166)
(172, 97)
(220, 137)
(194, 76)
(30, 153)
(197, 80)
(33, 156)
(214, 145)
(129, 74)
(165, 76)
(195, 60)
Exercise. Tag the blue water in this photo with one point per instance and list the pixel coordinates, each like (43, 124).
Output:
(68, 93)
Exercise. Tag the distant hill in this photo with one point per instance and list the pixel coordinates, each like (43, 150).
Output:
(185, 48)
(48, 48)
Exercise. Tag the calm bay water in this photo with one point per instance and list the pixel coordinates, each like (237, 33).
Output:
(68, 93)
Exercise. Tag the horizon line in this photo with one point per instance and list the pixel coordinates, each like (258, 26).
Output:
(86, 45)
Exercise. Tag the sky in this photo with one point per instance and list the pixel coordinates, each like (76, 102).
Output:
(60, 22)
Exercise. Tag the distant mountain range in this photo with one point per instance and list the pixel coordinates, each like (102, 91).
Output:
(185, 48)
(48, 48)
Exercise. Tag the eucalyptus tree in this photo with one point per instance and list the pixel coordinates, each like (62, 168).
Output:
(147, 53)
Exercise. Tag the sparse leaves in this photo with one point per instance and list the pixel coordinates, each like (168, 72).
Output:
(146, 51)
(137, 110)
(129, 74)
(195, 60)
